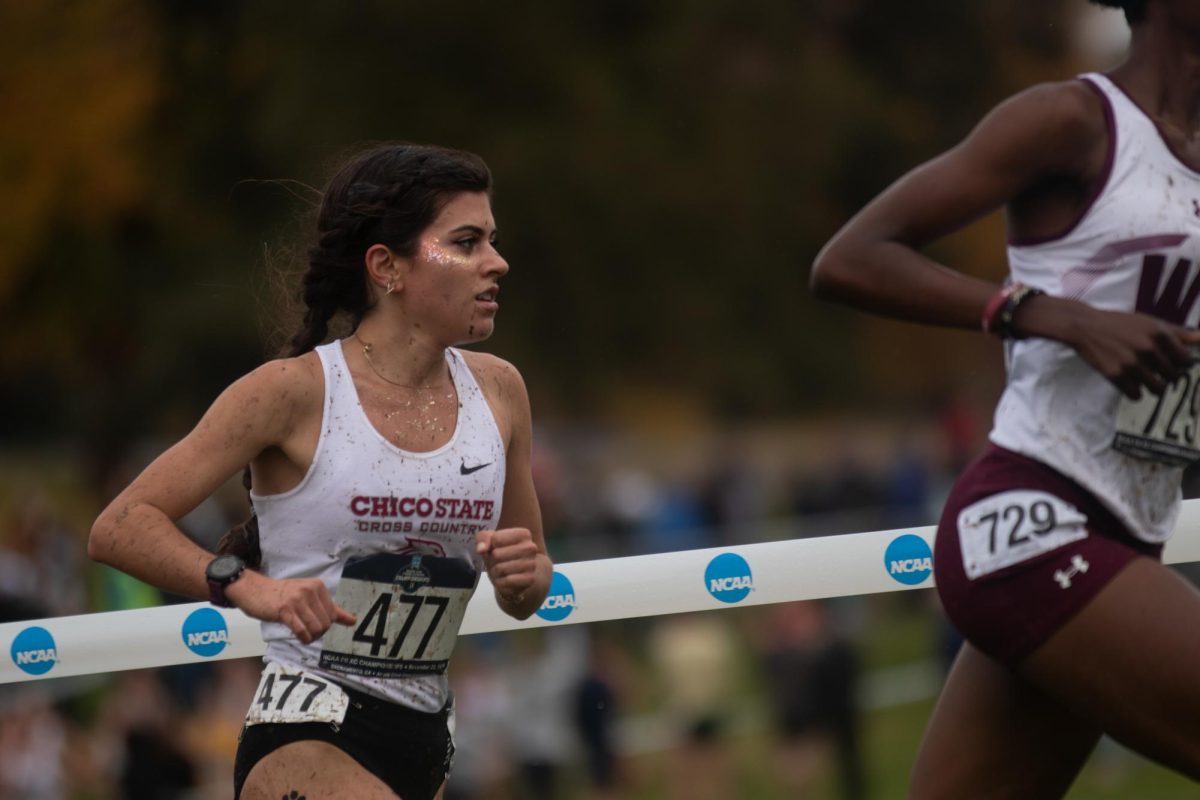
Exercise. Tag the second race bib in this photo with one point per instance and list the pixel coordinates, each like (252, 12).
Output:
(289, 694)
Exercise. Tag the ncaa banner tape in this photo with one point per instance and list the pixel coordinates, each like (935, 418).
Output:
(580, 592)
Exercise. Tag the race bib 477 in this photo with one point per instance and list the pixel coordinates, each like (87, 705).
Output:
(409, 609)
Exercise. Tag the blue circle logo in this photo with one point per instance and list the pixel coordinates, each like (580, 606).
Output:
(908, 559)
(560, 602)
(728, 578)
(33, 651)
(205, 632)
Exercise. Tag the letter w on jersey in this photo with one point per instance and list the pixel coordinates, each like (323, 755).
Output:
(1015, 526)
(1174, 301)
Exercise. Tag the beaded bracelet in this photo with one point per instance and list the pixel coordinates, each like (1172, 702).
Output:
(1002, 307)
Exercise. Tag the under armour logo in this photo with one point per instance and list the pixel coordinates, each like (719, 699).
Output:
(465, 470)
(1063, 576)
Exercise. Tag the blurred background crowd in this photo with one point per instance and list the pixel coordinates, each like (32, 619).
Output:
(655, 707)
(665, 173)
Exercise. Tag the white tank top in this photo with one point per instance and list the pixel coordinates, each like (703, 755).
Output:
(392, 534)
(1136, 247)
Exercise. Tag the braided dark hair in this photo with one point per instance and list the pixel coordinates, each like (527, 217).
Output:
(1135, 10)
(386, 194)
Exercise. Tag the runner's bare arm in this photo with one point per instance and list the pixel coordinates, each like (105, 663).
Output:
(136, 532)
(874, 262)
(1052, 131)
(515, 554)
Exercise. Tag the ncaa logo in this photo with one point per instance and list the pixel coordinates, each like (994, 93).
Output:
(908, 559)
(413, 576)
(33, 651)
(560, 602)
(205, 632)
(728, 578)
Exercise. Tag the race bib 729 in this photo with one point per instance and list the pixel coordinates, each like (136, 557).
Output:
(1162, 427)
(1014, 526)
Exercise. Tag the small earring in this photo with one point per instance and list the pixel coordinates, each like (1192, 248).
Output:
(390, 286)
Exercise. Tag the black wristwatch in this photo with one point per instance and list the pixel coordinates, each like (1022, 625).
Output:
(222, 571)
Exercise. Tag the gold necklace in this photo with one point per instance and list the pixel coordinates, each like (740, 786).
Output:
(366, 351)
(425, 401)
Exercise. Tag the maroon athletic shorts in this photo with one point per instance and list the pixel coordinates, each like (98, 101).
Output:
(1038, 548)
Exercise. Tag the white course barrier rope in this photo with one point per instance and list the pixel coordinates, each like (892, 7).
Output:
(584, 591)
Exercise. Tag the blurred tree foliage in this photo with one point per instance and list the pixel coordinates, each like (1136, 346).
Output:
(666, 173)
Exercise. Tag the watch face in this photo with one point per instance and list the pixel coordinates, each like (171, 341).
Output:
(224, 568)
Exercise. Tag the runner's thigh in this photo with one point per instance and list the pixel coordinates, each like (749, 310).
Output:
(995, 735)
(1130, 661)
(315, 771)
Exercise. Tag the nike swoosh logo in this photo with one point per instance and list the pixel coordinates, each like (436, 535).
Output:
(465, 470)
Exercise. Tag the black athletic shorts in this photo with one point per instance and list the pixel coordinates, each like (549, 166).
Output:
(408, 750)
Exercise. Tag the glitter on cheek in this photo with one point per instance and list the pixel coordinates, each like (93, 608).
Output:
(435, 253)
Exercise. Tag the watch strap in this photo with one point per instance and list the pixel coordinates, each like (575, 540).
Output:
(216, 586)
(216, 594)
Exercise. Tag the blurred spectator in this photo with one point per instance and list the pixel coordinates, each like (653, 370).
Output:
(214, 722)
(550, 482)
(143, 724)
(632, 499)
(694, 655)
(963, 429)
(812, 677)
(41, 562)
(849, 484)
(33, 739)
(676, 524)
(598, 700)
(732, 498)
(548, 664)
(907, 489)
(482, 703)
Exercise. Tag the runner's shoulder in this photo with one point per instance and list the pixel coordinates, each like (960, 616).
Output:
(289, 387)
(1064, 113)
(494, 371)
